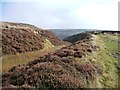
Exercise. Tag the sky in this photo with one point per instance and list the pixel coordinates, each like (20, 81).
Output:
(62, 14)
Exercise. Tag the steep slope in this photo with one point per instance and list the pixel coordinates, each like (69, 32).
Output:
(19, 37)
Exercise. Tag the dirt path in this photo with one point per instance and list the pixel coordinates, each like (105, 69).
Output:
(22, 58)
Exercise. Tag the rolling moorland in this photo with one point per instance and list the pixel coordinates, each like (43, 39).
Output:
(18, 37)
(89, 60)
(23, 42)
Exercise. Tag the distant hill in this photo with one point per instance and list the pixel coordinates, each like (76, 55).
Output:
(77, 37)
(63, 33)
(20, 37)
(87, 34)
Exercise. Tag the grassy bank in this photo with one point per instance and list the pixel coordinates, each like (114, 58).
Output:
(108, 59)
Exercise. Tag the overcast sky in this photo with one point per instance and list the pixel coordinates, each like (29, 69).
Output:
(82, 14)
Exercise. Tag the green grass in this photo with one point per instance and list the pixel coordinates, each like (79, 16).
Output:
(47, 44)
(109, 78)
(108, 44)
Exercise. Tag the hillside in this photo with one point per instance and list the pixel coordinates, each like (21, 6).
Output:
(88, 63)
(20, 37)
(77, 37)
(64, 33)
(87, 34)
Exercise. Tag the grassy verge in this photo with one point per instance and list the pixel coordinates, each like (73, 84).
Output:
(109, 45)
(104, 58)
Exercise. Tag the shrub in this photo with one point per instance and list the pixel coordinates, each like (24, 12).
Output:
(88, 70)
